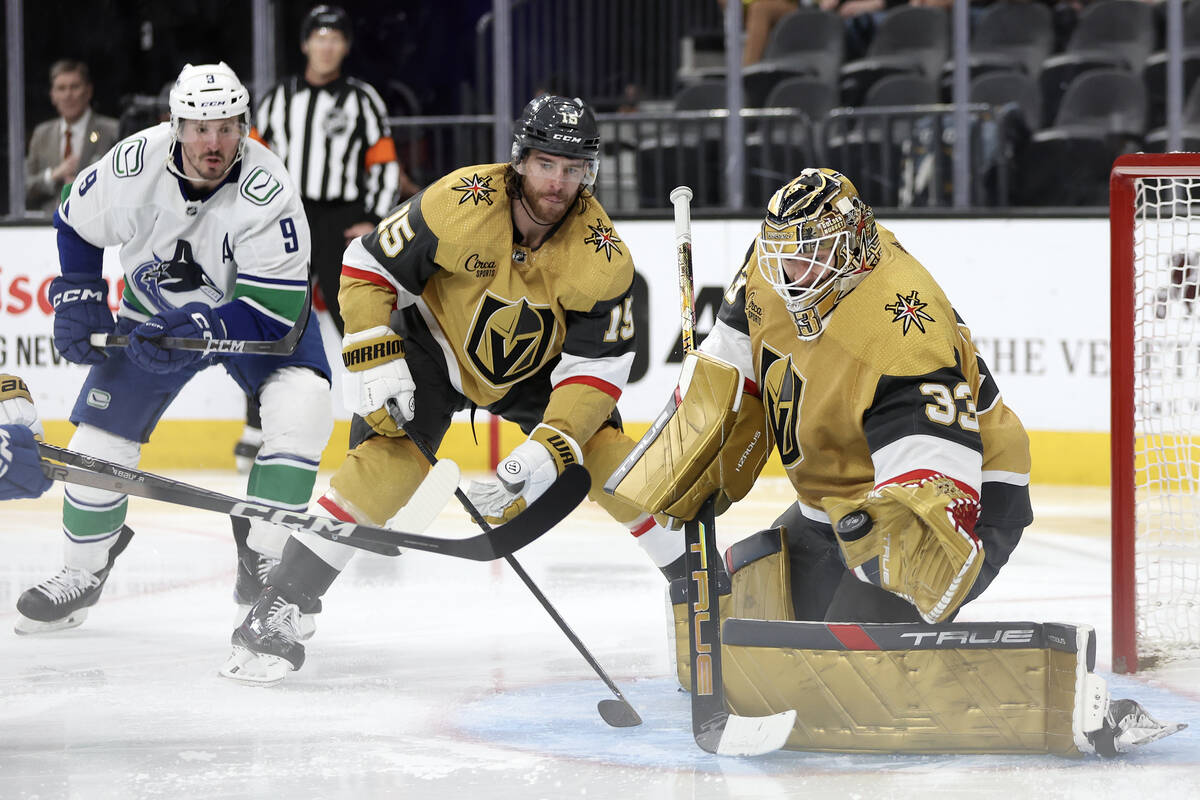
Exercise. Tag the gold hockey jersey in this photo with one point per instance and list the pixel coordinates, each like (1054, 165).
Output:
(893, 387)
(499, 310)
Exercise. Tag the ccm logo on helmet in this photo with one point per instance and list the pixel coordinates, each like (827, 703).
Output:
(562, 137)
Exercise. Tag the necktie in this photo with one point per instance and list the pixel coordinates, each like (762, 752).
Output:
(67, 144)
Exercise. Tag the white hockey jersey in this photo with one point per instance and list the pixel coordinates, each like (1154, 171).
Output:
(246, 242)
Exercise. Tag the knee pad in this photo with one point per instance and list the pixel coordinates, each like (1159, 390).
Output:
(760, 575)
(297, 413)
(92, 441)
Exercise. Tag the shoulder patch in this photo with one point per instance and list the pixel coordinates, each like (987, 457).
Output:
(604, 238)
(129, 157)
(475, 188)
(260, 187)
(909, 311)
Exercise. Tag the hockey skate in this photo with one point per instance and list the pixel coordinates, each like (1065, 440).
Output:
(1127, 725)
(62, 601)
(253, 571)
(266, 646)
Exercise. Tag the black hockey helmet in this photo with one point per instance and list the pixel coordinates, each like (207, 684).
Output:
(561, 127)
(327, 16)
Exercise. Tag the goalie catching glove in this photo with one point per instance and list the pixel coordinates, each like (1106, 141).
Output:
(916, 539)
(377, 374)
(527, 472)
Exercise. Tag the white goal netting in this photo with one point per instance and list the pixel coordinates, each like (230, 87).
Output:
(1167, 417)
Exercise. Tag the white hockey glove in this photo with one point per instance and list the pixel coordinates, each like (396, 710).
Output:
(16, 405)
(525, 474)
(377, 374)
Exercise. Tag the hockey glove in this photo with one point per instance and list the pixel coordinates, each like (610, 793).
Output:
(915, 539)
(192, 321)
(80, 309)
(20, 466)
(527, 472)
(376, 374)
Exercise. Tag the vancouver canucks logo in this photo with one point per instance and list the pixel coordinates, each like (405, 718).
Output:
(783, 392)
(909, 311)
(604, 238)
(173, 282)
(476, 189)
(508, 340)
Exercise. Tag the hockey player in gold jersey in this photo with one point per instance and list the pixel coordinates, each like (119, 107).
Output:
(503, 287)
(877, 401)
(912, 484)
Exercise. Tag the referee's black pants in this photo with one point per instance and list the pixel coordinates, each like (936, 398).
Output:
(327, 221)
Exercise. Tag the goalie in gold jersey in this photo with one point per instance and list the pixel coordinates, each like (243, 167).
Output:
(887, 421)
(912, 484)
(513, 294)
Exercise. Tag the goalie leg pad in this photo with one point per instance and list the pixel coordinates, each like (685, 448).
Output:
(684, 439)
(760, 576)
(1001, 687)
(678, 630)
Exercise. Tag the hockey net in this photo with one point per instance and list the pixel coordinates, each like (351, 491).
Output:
(1155, 236)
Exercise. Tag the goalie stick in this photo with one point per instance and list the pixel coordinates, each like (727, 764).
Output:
(713, 727)
(540, 517)
(618, 713)
(280, 347)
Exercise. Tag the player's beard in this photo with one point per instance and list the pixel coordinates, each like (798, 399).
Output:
(548, 208)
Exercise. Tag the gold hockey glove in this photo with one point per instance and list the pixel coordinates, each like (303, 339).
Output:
(376, 374)
(915, 539)
(16, 405)
(735, 467)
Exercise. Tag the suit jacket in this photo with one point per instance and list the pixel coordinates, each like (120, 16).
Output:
(45, 152)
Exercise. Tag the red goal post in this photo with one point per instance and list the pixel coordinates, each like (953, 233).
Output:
(1155, 406)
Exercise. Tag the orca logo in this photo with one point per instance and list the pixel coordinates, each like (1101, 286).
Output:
(174, 282)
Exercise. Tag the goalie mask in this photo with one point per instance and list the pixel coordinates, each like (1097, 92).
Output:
(561, 127)
(208, 92)
(818, 242)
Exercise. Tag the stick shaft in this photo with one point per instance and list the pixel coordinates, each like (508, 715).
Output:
(681, 199)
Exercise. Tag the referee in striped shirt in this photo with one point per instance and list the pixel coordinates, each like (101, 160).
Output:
(331, 131)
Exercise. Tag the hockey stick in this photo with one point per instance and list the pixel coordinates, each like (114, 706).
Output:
(280, 347)
(431, 496)
(617, 713)
(713, 727)
(98, 474)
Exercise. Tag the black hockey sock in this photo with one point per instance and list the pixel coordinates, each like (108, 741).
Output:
(302, 576)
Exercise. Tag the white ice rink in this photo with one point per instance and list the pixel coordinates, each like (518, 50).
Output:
(432, 677)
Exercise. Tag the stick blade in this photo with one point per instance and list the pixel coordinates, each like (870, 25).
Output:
(618, 713)
(751, 736)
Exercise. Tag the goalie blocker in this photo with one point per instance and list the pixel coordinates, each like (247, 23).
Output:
(980, 687)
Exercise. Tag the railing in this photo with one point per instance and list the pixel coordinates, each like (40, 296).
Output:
(899, 156)
(598, 50)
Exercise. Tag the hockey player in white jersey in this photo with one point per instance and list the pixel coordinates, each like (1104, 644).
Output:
(214, 244)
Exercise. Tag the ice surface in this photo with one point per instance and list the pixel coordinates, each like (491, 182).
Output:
(431, 677)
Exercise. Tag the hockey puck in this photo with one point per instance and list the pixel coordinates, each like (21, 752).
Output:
(854, 525)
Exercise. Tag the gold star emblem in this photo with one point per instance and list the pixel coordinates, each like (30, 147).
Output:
(604, 238)
(909, 311)
(475, 189)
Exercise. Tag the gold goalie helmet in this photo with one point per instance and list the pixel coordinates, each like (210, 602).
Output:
(817, 243)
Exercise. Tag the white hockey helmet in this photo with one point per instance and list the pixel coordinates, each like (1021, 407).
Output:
(208, 92)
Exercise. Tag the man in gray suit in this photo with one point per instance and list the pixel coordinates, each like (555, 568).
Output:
(75, 138)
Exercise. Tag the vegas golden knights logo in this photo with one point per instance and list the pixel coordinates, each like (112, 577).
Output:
(508, 340)
(783, 392)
